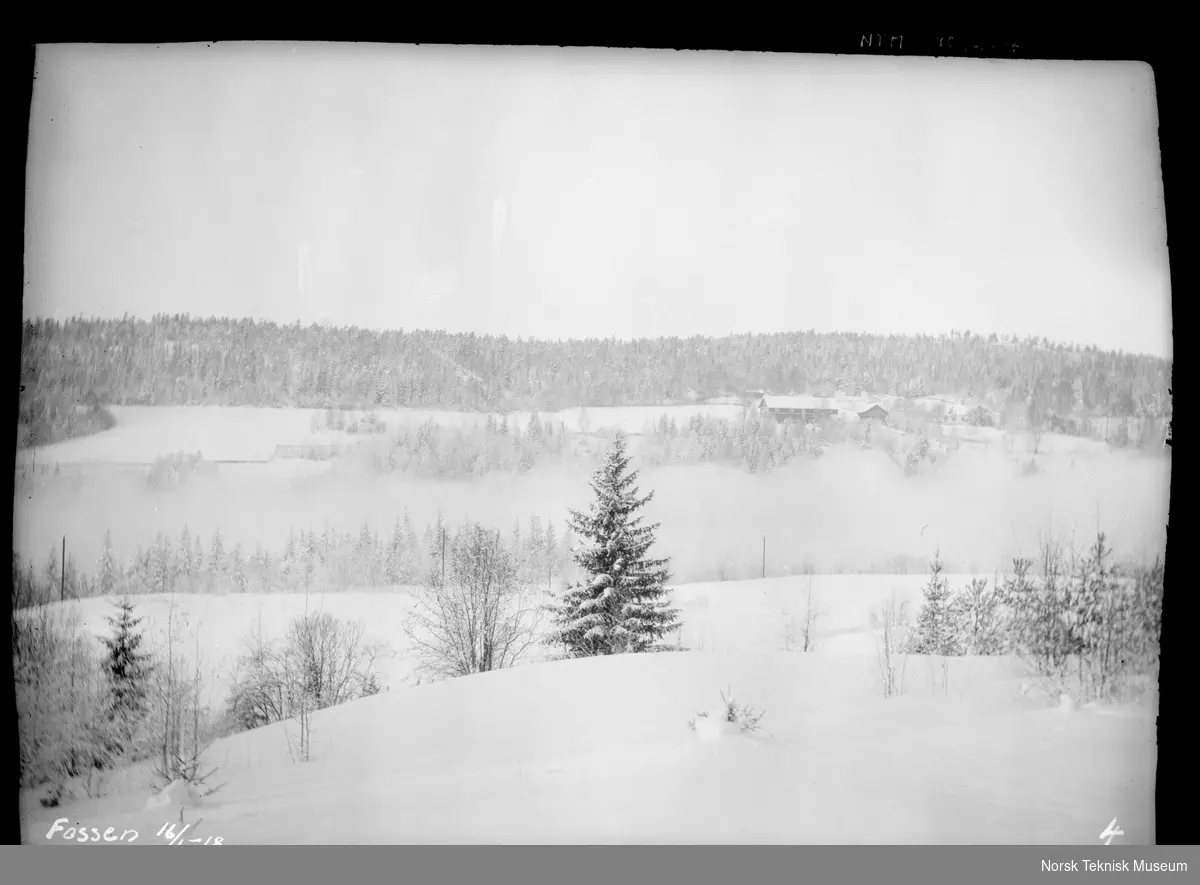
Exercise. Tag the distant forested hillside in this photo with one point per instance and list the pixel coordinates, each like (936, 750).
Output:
(71, 369)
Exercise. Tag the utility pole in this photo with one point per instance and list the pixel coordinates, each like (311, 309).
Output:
(62, 595)
(443, 556)
(764, 558)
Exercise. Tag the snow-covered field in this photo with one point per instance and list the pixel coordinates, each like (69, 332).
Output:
(598, 751)
(246, 433)
(849, 511)
(1021, 444)
(723, 616)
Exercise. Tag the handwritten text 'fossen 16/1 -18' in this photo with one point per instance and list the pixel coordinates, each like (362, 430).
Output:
(167, 833)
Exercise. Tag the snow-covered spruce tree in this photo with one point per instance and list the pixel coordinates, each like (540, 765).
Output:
(216, 558)
(51, 573)
(162, 565)
(394, 554)
(197, 559)
(109, 569)
(128, 669)
(976, 619)
(935, 634)
(237, 568)
(623, 605)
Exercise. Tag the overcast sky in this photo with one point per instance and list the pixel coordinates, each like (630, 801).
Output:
(567, 193)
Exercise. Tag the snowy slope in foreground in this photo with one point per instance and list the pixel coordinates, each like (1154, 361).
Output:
(598, 751)
(733, 616)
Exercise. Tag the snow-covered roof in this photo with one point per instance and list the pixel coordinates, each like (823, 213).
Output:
(799, 402)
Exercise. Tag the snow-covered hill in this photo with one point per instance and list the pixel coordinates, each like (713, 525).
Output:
(599, 750)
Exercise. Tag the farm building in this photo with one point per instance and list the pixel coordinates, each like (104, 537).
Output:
(1061, 424)
(366, 426)
(876, 412)
(797, 408)
(981, 416)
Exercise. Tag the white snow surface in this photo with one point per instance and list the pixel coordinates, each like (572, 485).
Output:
(143, 433)
(599, 750)
(176, 795)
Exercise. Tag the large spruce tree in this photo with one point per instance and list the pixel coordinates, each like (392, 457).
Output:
(622, 605)
(128, 668)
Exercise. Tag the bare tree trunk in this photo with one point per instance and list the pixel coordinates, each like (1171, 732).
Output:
(810, 617)
(167, 691)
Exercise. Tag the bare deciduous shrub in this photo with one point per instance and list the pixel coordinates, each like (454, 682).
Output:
(801, 634)
(479, 618)
(62, 698)
(892, 643)
(322, 662)
(331, 656)
(181, 726)
(258, 695)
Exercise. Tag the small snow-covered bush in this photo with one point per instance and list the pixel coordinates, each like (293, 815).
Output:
(730, 717)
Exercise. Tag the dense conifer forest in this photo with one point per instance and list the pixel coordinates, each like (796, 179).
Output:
(71, 369)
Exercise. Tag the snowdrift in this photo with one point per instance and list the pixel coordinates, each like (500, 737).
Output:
(599, 751)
